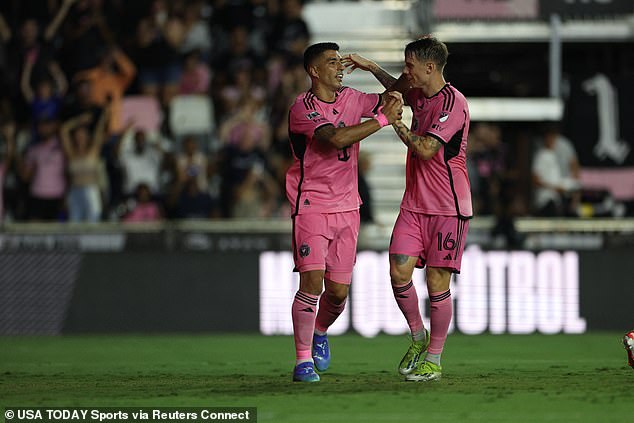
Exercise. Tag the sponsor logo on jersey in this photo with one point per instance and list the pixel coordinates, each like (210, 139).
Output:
(443, 117)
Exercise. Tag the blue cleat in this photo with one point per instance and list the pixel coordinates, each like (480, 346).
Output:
(305, 372)
(321, 352)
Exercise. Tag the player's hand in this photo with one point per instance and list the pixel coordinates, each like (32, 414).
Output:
(396, 95)
(393, 108)
(354, 61)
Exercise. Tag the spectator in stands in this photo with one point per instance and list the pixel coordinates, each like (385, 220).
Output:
(256, 196)
(246, 123)
(159, 41)
(44, 169)
(171, 185)
(7, 151)
(46, 100)
(239, 57)
(555, 168)
(86, 35)
(238, 159)
(108, 83)
(566, 154)
(196, 75)
(196, 32)
(28, 46)
(194, 203)
(241, 89)
(192, 164)
(143, 208)
(290, 33)
(84, 165)
(487, 166)
(140, 161)
(33, 43)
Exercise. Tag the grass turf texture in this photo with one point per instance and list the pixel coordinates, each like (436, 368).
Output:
(534, 378)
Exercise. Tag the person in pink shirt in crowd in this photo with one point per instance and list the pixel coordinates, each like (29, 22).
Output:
(44, 169)
(143, 208)
(432, 226)
(196, 75)
(324, 130)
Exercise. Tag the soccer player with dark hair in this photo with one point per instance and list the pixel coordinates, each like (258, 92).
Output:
(434, 218)
(322, 186)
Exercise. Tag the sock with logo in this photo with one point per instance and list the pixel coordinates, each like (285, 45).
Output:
(440, 317)
(303, 311)
(407, 300)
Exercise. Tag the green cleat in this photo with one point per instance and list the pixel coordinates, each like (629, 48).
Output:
(426, 371)
(412, 356)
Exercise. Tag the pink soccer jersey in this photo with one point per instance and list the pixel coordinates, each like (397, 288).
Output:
(440, 185)
(323, 179)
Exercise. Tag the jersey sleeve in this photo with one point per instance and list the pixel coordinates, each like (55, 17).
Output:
(445, 123)
(304, 121)
(369, 103)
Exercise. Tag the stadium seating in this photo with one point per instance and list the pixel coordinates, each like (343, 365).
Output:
(192, 115)
(144, 111)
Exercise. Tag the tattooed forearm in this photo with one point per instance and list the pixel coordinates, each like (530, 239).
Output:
(383, 77)
(424, 146)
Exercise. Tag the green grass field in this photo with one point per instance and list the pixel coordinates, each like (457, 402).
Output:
(486, 378)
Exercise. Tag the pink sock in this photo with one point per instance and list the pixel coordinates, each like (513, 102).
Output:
(328, 313)
(303, 311)
(407, 300)
(440, 317)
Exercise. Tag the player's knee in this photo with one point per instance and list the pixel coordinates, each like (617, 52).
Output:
(438, 279)
(337, 296)
(311, 282)
(399, 276)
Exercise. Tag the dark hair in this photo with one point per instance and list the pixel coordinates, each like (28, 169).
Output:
(429, 48)
(314, 51)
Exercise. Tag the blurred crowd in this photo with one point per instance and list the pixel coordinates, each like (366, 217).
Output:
(71, 150)
(89, 127)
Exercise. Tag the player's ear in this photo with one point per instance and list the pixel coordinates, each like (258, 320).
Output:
(430, 67)
(312, 71)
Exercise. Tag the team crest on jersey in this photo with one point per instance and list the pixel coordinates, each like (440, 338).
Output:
(312, 115)
(304, 250)
(443, 117)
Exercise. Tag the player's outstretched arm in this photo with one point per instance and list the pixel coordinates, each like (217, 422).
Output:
(424, 146)
(389, 113)
(354, 61)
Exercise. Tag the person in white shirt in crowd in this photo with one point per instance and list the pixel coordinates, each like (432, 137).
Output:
(556, 176)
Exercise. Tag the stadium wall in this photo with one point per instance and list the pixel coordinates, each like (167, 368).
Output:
(241, 283)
